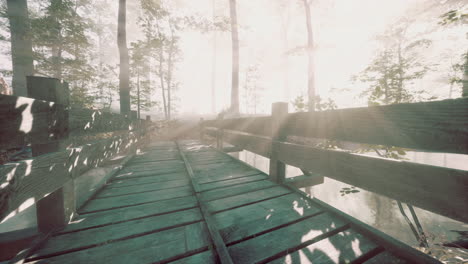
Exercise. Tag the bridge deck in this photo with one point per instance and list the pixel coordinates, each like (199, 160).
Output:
(189, 203)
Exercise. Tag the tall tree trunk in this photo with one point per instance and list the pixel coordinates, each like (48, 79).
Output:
(124, 75)
(21, 45)
(399, 96)
(169, 71)
(213, 65)
(57, 35)
(310, 55)
(235, 59)
(465, 77)
(138, 94)
(161, 79)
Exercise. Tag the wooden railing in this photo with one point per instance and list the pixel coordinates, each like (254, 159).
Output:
(65, 143)
(440, 126)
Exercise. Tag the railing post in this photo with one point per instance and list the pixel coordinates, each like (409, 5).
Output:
(220, 133)
(279, 112)
(54, 210)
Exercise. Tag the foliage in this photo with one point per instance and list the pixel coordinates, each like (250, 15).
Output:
(393, 70)
(253, 89)
(300, 105)
(348, 190)
(452, 17)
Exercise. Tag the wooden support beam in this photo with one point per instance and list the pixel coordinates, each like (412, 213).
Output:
(218, 242)
(279, 111)
(232, 149)
(260, 145)
(303, 181)
(437, 189)
(56, 208)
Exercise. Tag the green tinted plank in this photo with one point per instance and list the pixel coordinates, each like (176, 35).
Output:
(117, 183)
(225, 183)
(201, 258)
(284, 239)
(107, 234)
(250, 220)
(129, 213)
(225, 175)
(135, 199)
(235, 190)
(343, 247)
(108, 192)
(386, 257)
(144, 249)
(247, 198)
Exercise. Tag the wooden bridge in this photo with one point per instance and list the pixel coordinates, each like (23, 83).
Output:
(185, 202)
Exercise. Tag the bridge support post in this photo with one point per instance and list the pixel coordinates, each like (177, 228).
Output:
(279, 112)
(55, 210)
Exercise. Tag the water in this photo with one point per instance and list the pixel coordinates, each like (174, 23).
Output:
(380, 211)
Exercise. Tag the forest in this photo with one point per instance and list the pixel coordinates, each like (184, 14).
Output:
(152, 55)
(347, 88)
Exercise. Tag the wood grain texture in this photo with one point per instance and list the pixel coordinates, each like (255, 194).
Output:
(433, 126)
(436, 189)
(284, 239)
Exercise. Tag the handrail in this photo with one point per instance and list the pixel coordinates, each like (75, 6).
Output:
(438, 189)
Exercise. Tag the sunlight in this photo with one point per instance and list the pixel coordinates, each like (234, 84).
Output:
(29, 202)
(299, 210)
(27, 118)
(355, 245)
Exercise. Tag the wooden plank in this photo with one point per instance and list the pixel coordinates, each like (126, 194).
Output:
(25, 120)
(204, 257)
(260, 145)
(135, 199)
(109, 192)
(433, 126)
(386, 257)
(30, 180)
(304, 181)
(226, 176)
(167, 244)
(436, 189)
(94, 220)
(133, 181)
(343, 247)
(252, 220)
(109, 234)
(157, 167)
(225, 183)
(218, 244)
(285, 239)
(245, 199)
(235, 190)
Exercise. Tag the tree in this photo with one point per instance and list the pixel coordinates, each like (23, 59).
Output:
(21, 45)
(310, 56)
(458, 17)
(392, 72)
(235, 59)
(252, 88)
(61, 48)
(124, 73)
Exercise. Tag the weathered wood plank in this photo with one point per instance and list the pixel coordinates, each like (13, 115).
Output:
(111, 233)
(218, 244)
(235, 190)
(304, 181)
(252, 220)
(215, 177)
(285, 239)
(132, 181)
(434, 126)
(386, 257)
(94, 220)
(141, 249)
(343, 247)
(25, 120)
(109, 192)
(225, 183)
(135, 199)
(260, 145)
(201, 258)
(244, 199)
(436, 189)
